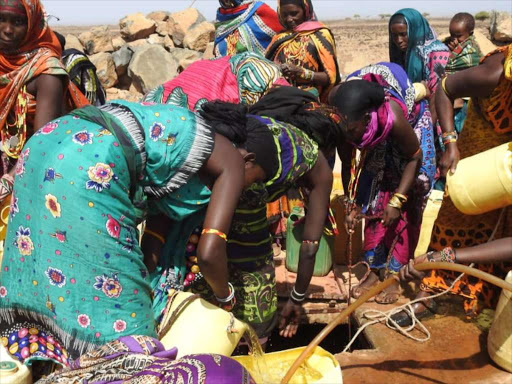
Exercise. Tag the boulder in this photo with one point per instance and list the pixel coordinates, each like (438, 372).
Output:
(162, 28)
(118, 42)
(124, 82)
(136, 44)
(105, 68)
(183, 56)
(115, 94)
(208, 53)
(97, 40)
(198, 37)
(180, 22)
(73, 42)
(501, 26)
(168, 43)
(136, 26)
(122, 59)
(486, 45)
(150, 66)
(155, 38)
(158, 15)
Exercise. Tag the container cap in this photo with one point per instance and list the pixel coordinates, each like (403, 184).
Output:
(8, 368)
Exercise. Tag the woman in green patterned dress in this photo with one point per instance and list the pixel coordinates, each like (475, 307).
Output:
(73, 275)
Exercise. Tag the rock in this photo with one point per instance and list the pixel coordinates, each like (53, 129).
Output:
(501, 26)
(484, 43)
(124, 82)
(184, 57)
(134, 45)
(136, 26)
(97, 40)
(198, 37)
(168, 43)
(155, 38)
(208, 53)
(180, 22)
(122, 59)
(150, 66)
(162, 28)
(158, 15)
(115, 94)
(105, 68)
(73, 42)
(118, 42)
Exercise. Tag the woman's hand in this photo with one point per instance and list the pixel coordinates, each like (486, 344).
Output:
(409, 273)
(351, 219)
(449, 159)
(289, 319)
(292, 71)
(390, 216)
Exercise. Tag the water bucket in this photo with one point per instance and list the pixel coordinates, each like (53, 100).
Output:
(197, 326)
(499, 341)
(483, 182)
(12, 371)
(294, 230)
(278, 363)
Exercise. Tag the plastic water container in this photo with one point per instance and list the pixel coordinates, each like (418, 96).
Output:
(12, 371)
(483, 182)
(201, 327)
(279, 363)
(499, 341)
(323, 260)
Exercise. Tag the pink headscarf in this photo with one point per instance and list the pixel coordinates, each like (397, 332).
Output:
(379, 126)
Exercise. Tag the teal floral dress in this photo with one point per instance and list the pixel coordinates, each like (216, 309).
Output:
(72, 276)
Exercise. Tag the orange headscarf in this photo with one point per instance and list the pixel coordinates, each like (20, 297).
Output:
(39, 53)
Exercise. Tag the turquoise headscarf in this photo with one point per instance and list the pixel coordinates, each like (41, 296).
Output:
(422, 41)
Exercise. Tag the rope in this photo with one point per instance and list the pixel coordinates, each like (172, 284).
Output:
(377, 316)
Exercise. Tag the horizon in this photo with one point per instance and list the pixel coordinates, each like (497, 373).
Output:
(83, 12)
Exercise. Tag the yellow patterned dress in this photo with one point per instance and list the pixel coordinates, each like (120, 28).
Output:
(488, 125)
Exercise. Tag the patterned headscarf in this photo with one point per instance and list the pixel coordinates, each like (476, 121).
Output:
(306, 5)
(14, 6)
(227, 4)
(422, 41)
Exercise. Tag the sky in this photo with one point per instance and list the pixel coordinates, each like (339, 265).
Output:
(97, 12)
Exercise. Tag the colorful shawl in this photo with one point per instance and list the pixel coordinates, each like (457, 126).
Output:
(244, 25)
(466, 55)
(422, 42)
(243, 78)
(498, 107)
(38, 54)
(310, 45)
(142, 359)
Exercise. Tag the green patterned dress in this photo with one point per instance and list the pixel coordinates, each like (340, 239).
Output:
(73, 276)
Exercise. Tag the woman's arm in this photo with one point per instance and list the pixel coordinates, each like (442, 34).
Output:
(477, 81)
(407, 142)
(49, 95)
(496, 251)
(226, 167)
(319, 181)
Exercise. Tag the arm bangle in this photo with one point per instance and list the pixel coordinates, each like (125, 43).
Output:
(230, 297)
(155, 235)
(212, 231)
(443, 85)
(297, 297)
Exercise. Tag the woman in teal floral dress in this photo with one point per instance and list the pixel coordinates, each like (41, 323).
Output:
(73, 276)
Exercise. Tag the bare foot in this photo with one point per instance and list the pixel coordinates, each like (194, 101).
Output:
(389, 295)
(365, 286)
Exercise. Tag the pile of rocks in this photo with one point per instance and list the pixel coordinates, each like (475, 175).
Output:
(501, 27)
(150, 50)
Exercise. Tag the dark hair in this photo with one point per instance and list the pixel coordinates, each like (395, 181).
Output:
(356, 97)
(231, 121)
(466, 18)
(61, 38)
(298, 3)
(397, 18)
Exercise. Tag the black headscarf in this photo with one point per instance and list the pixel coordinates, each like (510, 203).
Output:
(356, 97)
(231, 121)
(302, 110)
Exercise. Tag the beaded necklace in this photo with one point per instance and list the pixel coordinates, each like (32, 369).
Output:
(355, 172)
(12, 144)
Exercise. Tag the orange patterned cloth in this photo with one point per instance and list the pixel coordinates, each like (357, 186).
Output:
(488, 124)
(38, 54)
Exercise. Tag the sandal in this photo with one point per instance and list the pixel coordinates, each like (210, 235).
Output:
(403, 319)
(389, 297)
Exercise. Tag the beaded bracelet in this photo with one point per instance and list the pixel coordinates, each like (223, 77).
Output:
(297, 297)
(449, 141)
(430, 257)
(448, 255)
(451, 133)
(307, 75)
(314, 242)
(230, 297)
(155, 235)
(212, 231)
